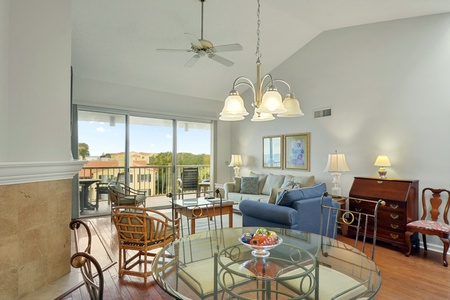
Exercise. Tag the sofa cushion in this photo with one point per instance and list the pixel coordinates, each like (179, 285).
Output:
(275, 192)
(249, 185)
(262, 180)
(287, 197)
(237, 184)
(301, 181)
(272, 181)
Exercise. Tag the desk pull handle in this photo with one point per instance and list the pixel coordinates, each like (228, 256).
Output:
(394, 206)
(394, 226)
(394, 236)
(379, 181)
(358, 209)
(394, 216)
(357, 201)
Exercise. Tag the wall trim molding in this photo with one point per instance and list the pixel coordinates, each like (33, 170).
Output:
(27, 172)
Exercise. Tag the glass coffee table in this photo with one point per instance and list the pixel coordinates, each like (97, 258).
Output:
(215, 264)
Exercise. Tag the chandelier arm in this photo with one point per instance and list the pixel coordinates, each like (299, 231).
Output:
(283, 81)
(246, 82)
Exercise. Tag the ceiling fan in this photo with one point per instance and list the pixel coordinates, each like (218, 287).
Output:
(202, 47)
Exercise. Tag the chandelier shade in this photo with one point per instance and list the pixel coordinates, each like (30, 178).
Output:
(292, 106)
(234, 105)
(261, 117)
(266, 104)
(272, 102)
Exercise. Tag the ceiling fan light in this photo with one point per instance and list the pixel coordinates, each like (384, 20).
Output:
(271, 102)
(261, 117)
(234, 105)
(293, 107)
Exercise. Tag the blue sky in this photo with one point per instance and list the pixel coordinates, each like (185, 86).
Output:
(103, 138)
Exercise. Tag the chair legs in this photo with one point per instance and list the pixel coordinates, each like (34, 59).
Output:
(424, 239)
(408, 235)
(444, 255)
(445, 241)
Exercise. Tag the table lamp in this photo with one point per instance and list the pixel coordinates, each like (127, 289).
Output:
(236, 162)
(336, 164)
(382, 161)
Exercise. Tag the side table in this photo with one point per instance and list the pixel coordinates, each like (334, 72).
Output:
(343, 203)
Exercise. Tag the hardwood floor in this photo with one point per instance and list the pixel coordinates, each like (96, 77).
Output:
(419, 276)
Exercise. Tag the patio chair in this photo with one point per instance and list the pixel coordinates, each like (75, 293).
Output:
(87, 264)
(189, 181)
(123, 195)
(140, 231)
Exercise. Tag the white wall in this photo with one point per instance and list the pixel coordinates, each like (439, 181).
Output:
(4, 31)
(38, 82)
(388, 86)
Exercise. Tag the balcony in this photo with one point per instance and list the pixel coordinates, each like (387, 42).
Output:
(155, 180)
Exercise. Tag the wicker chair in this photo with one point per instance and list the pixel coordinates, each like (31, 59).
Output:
(141, 230)
(123, 195)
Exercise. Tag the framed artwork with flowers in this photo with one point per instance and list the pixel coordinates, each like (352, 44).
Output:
(297, 151)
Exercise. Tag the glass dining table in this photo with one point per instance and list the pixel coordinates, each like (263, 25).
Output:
(215, 264)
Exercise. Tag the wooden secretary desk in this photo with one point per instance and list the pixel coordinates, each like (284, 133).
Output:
(401, 197)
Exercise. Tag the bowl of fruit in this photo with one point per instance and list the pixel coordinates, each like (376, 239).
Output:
(261, 241)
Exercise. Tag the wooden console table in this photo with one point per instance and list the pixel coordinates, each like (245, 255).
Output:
(401, 207)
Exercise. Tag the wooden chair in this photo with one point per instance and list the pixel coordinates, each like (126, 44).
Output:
(428, 223)
(123, 195)
(140, 231)
(84, 261)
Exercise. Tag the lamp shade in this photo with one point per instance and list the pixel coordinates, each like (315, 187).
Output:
(236, 160)
(234, 105)
(272, 102)
(261, 117)
(230, 117)
(293, 107)
(382, 161)
(336, 163)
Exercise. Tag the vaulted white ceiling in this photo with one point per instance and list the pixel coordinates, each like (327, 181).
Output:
(116, 40)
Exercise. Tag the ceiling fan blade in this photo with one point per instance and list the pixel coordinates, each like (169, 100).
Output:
(229, 47)
(194, 40)
(174, 50)
(192, 61)
(221, 60)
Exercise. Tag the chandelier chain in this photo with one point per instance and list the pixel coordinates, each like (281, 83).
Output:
(258, 25)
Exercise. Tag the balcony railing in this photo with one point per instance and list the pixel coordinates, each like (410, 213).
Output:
(156, 180)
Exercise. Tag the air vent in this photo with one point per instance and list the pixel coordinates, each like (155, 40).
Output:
(326, 112)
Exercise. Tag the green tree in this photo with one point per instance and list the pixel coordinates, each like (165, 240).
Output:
(83, 150)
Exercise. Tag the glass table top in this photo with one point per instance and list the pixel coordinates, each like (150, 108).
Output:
(215, 264)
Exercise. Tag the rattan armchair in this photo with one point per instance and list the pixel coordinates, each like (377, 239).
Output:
(141, 230)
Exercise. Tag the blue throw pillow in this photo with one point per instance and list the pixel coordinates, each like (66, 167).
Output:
(287, 197)
(249, 185)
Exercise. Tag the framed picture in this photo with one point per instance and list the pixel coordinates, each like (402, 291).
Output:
(272, 152)
(296, 151)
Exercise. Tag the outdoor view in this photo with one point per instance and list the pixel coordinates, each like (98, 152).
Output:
(102, 143)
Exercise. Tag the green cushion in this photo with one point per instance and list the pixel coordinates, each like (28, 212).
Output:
(249, 185)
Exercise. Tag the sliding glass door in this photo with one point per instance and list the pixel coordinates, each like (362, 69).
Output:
(138, 151)
(102, 143)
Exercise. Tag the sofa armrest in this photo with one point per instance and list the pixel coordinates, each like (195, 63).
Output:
(268, 214)
(228, 187)
(309, 213)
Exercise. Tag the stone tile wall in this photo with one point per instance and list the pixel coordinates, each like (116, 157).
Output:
(34, 235)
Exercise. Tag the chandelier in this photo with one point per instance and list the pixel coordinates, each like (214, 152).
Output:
(265, 105)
